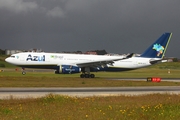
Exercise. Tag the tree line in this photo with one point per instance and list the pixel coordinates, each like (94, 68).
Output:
(2, 52)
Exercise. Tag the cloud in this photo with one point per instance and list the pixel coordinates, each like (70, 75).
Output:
(56, 12)
(81, 4)
(69, 25)
(17, 5)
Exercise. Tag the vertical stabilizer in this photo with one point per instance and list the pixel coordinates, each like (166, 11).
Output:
(158, 48)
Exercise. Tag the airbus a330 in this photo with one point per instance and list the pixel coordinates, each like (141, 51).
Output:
(84, 64)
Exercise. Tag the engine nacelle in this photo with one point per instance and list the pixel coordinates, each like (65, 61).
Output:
(67, 69)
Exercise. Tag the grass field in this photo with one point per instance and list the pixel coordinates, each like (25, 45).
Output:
(56, 107)
(36, 78)
(12, 78)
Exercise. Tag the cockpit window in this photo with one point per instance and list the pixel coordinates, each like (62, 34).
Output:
(12, 56)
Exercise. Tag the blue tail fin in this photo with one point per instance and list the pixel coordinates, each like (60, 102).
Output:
(158, 48)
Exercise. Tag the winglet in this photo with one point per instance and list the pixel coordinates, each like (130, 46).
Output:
(158, 48)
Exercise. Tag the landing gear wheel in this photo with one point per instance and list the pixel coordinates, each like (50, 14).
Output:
(87, 76)
(82, 75)
(23, 72)
(92, 75)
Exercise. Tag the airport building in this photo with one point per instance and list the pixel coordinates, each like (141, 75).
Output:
(10, 52)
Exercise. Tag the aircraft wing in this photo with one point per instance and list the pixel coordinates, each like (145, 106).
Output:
(101, 63)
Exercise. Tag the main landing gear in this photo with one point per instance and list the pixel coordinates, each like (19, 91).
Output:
(86, 73)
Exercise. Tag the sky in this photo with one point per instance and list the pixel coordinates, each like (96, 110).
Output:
(117, 26)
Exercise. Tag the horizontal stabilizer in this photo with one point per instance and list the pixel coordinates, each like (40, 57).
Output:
(154, 61)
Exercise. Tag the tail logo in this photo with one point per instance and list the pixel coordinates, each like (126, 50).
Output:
(159, 49)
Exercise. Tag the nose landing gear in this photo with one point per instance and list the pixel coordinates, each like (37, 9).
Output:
(23, 71)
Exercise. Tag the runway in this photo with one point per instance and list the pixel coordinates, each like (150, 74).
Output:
(6, 93)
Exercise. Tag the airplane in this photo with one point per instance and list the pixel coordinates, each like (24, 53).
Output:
(64, 63)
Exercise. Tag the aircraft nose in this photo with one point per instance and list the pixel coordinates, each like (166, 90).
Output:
(7, 59)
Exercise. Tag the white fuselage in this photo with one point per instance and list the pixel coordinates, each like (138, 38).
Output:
(54, 59)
